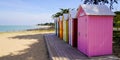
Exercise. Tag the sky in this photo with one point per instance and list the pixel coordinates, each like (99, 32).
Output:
(32, 12)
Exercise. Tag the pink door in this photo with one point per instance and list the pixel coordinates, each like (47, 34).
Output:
(82, 34)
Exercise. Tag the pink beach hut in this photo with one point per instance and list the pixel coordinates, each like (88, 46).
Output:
(95, 27)
(73, 23)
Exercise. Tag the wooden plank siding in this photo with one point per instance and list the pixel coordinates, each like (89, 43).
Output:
(60, 50)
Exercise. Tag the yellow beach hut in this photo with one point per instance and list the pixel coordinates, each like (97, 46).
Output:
(65, 28)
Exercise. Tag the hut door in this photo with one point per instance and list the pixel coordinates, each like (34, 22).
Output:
(82, 33)
(70, 32)
(81, 28)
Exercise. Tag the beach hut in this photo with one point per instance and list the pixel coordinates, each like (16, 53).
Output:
(95, 27)
(73, 23)
(61, 27)
(57, 26)
(55, 21)
(65, 28)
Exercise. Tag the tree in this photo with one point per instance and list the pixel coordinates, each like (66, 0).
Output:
(57, 15)
(99, 2)
(117, 19)
(61, 12)
(64, 10)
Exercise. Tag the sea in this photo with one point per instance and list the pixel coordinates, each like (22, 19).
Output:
(15, 28)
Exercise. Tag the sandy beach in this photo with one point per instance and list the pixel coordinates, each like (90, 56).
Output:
(27, 45)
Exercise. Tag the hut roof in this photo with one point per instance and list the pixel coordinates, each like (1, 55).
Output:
(60, 18)
(65, 16)
(96, 10)
(73, 13)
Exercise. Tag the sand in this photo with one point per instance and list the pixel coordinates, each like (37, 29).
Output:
(27, 45)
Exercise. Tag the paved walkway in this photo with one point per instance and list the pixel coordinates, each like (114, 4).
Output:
(59, 50)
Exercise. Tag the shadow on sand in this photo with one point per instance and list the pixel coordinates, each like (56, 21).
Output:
(37, 51)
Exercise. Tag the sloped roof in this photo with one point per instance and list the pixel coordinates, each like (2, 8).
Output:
(97, 10)
(60, 18)
(57, 18)
(65, 16)
(73, 13)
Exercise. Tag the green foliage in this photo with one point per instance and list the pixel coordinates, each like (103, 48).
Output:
(57, 14)
(117, 19)
(60, 13)
(117, 12)
(116, 37)
(50, 24)
(64, 10)
(97, 2)
(116, 34)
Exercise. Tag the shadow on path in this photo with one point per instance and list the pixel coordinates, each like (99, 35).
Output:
(37, 50)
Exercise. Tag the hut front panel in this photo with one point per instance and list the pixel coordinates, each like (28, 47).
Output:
(64, 30)
(57, 28)
(67, 31)
(74, 28)
(100, 35)
(61, 29)
(70, 31)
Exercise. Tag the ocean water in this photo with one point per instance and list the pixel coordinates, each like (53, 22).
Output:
(12, 28)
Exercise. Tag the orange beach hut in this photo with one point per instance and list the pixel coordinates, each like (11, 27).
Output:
(61, 27)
